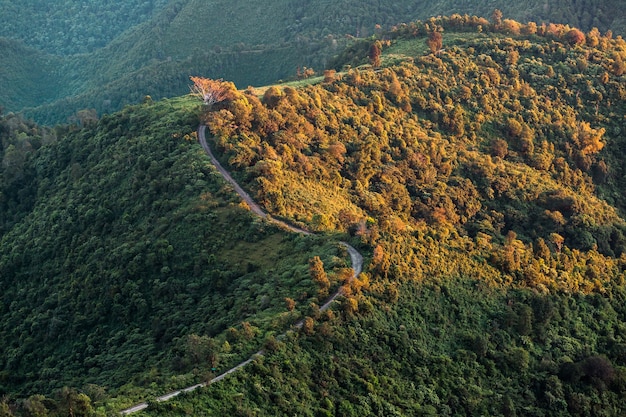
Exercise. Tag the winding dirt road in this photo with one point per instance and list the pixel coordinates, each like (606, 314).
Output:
(254, 207)
(355, 257)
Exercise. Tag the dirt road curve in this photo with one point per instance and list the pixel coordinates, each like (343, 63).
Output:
(355, 257)
(254, 207)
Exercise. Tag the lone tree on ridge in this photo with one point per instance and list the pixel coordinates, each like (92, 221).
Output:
(435, 41)
(210, 91)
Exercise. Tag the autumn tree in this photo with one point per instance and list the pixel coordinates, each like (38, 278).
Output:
(529, 29)
(248, 330)
(514, 128)
(210, 91)
(316, 269)
(618, 67)
(575, 37)
(350, 305)
(526, 138)
(511, 26)
(593, 37)
(272, 96)
(499, 148)
(380, 261)
(435, 41)
(304, 72)
(512, 57)
(557, 240)
(587, 139)
(374, 54)
(329, 75)
(496, 17)
(308, 326)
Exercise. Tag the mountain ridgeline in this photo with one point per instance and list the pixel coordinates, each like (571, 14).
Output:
(486, 177)
(114, 53)
(480, 171)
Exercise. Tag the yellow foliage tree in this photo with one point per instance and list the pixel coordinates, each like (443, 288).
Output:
(588, 139)
(316, 269)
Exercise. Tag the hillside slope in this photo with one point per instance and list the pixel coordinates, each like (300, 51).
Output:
(131, 261)
(28, 77)
(484, 180)
(491, 195)
(67, 27)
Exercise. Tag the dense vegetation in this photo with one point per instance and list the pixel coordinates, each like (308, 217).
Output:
(125, 259)
(482, 172)
(491, 136)
(66, 27)
(451, 347)
(130, 49)
(487, 178)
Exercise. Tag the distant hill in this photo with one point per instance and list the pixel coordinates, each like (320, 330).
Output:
(132, 49)
(67, 27)
(28, 76)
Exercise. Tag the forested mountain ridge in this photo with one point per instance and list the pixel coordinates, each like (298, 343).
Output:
(124, 256)
(542, 109)
(482, 171)
(107, 55)
(68, 27)
(487, 178)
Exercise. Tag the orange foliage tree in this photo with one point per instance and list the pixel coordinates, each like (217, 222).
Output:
(316, 269)
(210, 91)
(374, 54)
(575, 37)
(435, 41)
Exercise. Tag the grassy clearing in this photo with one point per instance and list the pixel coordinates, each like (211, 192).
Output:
(403, 48)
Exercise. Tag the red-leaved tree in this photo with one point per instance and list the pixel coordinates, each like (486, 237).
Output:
(374, 54)
(435, 41)
(575, 37)
(210, 91)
